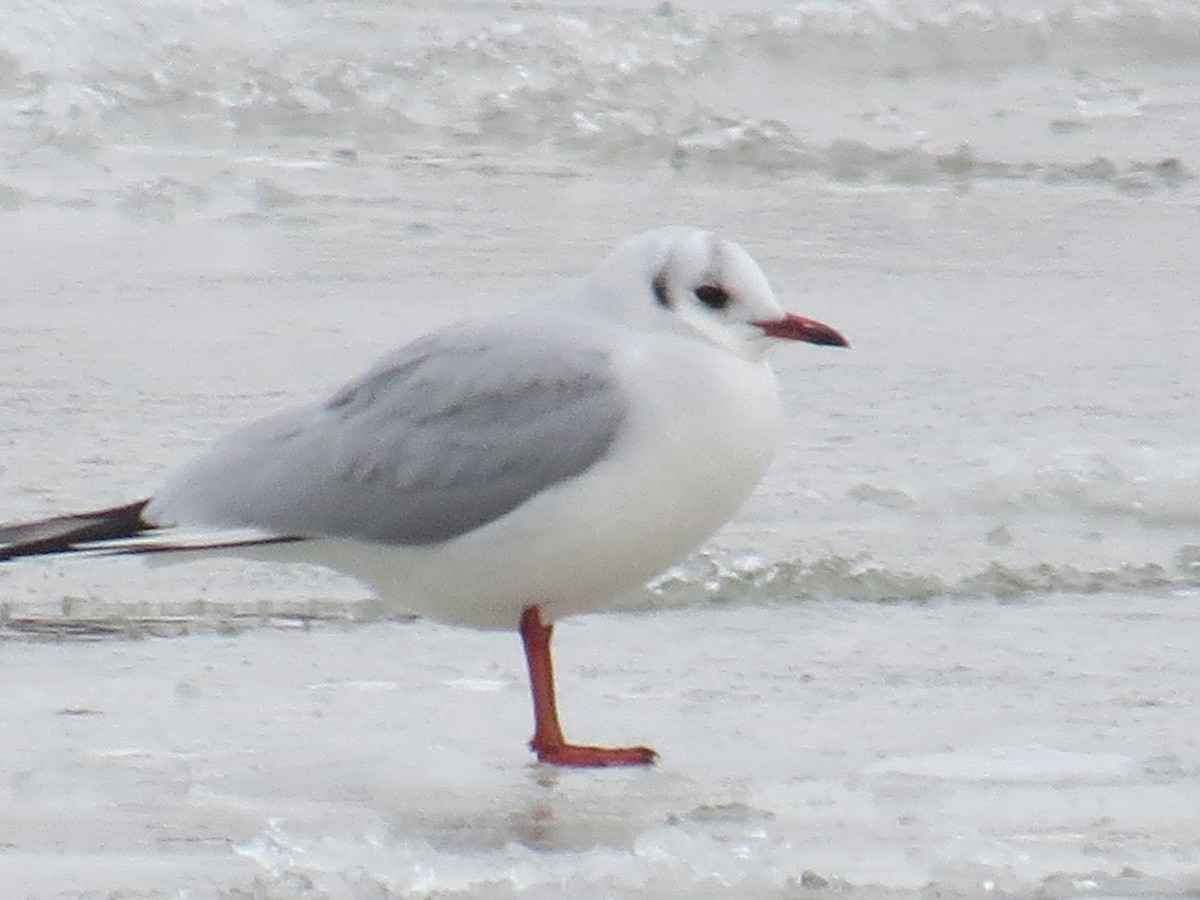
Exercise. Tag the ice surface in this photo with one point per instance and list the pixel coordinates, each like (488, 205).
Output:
(963, 748)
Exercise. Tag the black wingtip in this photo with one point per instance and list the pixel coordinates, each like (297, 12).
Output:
(66, 534)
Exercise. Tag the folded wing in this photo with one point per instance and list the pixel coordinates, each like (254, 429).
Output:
(440, 438)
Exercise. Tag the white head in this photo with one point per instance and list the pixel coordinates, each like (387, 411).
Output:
(690, 280)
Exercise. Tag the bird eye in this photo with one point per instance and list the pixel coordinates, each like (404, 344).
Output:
(713, 296)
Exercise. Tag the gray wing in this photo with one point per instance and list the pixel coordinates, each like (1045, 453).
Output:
(442, 437)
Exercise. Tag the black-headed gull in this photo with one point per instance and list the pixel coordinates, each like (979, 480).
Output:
(505, 473)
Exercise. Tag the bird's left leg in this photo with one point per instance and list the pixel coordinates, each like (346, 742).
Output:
(548, 742)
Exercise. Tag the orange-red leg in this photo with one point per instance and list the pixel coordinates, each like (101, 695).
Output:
(548, 742)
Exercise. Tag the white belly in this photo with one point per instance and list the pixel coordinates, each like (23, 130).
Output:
(675, 474)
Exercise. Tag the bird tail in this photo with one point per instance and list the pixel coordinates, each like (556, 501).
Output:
(80, 532)
(118, 530)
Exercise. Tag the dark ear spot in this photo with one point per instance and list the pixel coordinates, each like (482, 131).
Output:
(660, 290)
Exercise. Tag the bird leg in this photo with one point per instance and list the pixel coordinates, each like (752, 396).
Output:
(548, 742)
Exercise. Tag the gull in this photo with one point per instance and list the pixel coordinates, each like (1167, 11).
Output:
(508, 472)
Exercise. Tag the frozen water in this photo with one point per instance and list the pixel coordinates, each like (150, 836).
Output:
(966, 747)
